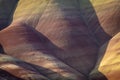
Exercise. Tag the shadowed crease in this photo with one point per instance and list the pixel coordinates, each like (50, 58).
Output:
(6, 12)
(95, 73)
(100, 38)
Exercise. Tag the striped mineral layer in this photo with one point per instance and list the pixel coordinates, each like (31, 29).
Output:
(61, 39)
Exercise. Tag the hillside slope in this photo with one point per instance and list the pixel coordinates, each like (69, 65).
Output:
(63, 39)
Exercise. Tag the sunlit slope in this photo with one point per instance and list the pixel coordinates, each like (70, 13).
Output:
(101, 16)
(30, 11)
(109, 65)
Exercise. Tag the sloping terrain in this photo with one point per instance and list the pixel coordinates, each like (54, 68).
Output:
(60, 39)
